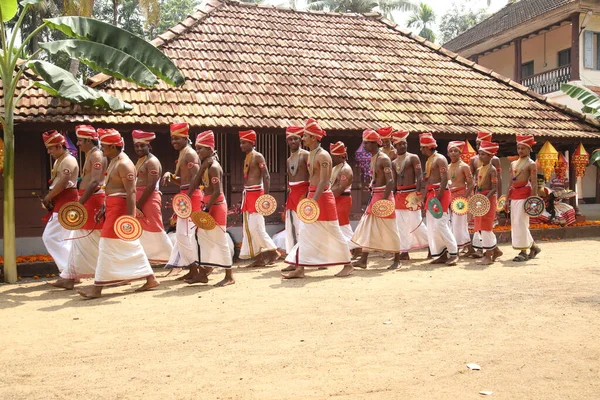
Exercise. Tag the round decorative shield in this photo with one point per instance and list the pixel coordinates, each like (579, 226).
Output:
(435, 208)
(203, 220)
(72, 216)
(460, 206)
(534, 206)
(308, 211)
(182, 205)
(128, 228)
(383, 208)
(266, 205)
(413, 201)
(501, 203)
(479, 205)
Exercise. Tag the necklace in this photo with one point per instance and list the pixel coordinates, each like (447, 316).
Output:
(400, 164)
(182, 155)
(247, 162)
(335, 172)
(481, 174)
(311, 159)
(520, 166)
(111, 167)
(374, 162)
(294, 158)
(452, 168)
(429, 163)
(140, 163)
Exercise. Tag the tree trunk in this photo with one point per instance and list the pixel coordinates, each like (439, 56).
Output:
(36, 39)
(115, 6)
(10, 245)
(74, 66)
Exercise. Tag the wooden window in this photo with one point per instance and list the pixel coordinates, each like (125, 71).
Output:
(564, 57)
(591, 50)
(527, 69)
(267, 145)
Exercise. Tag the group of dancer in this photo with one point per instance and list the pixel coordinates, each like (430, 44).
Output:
(111, 185)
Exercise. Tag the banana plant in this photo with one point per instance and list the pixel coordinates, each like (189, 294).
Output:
(101, 46)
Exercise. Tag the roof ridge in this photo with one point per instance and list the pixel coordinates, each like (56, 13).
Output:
(486, 71)
(290, 9)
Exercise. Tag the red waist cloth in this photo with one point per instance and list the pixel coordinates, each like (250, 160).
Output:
(196, 198)
(486, 222)
(402, 194)
(519, 191)
(63, 198)
(92, 206)
(432, 192)
(152, 209)
(116, 206)
(378, 195)
(457, 192)
(343, 204)
(219, 210)
(328, 210)
(249, 200)
(297, 192)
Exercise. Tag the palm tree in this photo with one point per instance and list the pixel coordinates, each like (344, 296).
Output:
(422, 18)
(362, 6)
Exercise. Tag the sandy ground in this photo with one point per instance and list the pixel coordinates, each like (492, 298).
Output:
(532, 327)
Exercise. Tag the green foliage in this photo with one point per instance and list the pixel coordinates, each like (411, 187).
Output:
(458, 20)
(362, 6)
(589, 99)
(8, 9)
(422, 18)
(595, 158)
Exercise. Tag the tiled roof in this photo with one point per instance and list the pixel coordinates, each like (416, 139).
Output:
(507, 18)
(266, 67)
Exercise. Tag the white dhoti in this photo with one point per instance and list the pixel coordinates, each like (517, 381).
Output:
(214, 250)
(440, 236)
(477, 242)
(519, 226)
(292, 226)
(157, 246)
(412, 230)
(279, 240)
(185, 249)
(489, 240)
(460, 229)
(374, 233)
(347, 232)
(319, 244)
(83, 257)
(121, 261)
(54, 239)
(255, 239)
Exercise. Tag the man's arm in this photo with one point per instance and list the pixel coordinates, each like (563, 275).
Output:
(443, 168)
(152, 166)
(215, 184)
(68, 170)
(493, 182)
(96, 176)
(389, 177)
(324, 176)
(533, 178)
(344, 180)
(127, 175)
(468, 179)
(496, 164)
(197, 179)
(416, 163)
(264, 170)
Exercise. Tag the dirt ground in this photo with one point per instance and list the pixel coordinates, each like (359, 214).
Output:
(532, 327)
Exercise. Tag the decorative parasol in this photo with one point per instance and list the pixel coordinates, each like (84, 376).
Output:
(562, 165)
(308, 211)
(460, 206)
(580, 160)
(266, 205)
(383, 208)
(128, 228)
(72, 216)
(547, 158)
(479, 205)
(468, 152)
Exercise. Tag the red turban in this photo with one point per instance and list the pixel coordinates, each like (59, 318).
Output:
(110, 137)
(484, 135)
(181, 129)
(489, 147)
(385, 132)
(86, 132)
(248, 136)
(311, 127)
(294, 131)
(526, 140)
(459, 144)
(399, 136)
(53, 138)
(143, 137)
(369, 135)
(338, 149)
(427, 140)
(206, 139)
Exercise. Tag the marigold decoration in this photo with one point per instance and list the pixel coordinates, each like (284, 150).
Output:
(580, 160)
(547, 158)
(468, 152)
(560, 170)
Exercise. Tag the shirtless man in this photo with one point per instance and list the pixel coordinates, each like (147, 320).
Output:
(63, 189)
(373, 232)
(487, 183)
(119, 261)
(442, 243)
(213, 243)
(321, 243)
(83, 256)
(341, 187)
(256, 243)
(154, 239)
(474, 164)
(409, 179)
(461, 185)
(523, 175)
(387, 148)
(185, 249)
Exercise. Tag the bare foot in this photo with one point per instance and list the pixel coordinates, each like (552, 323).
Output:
(535, 250)
(225, 282)
(174, 271)
(297, 273)
(151, 283)
(271, 257)
(199, 277)
(259, 262)
(395, 265)
(185, 277)
(288, 268)
(485, 261)
(63, 283)
(404, 256)
(441, 259)
(452, 260)
(360, 264)
(346, 271)
(208, 270)
(497, 253)
(92, 292)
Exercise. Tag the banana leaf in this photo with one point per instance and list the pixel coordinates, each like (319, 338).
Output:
(101, 32)
(104, 59)
(595, 158)
(589, 99)
(61, 83)
(8, 9)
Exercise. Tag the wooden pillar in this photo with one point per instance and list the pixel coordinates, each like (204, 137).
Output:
(575, 47)
(518, 61)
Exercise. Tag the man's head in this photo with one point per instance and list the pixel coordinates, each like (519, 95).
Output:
(524, 145)
(455, 150)
(338, 152)
(141, 142)
(371, 141)
(87, 137)
(399, 139)
(247, 140)
(55, 143)
(111, 142)
(293, 137)
(427, 143)
(205, 144)
(180, 135)
(482, 135)
(312, 134)
(487, 150)
(385, 134)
